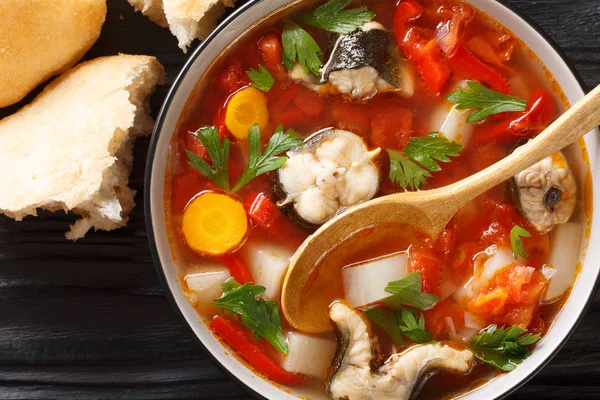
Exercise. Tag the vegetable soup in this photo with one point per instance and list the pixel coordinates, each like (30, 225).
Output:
(331, 104)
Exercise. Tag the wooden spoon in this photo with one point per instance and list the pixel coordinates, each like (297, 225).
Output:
(427, 211)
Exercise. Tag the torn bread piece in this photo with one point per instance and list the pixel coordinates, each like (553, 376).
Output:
(187, 19)
(42, 38)
(153, 9)
(71, 148)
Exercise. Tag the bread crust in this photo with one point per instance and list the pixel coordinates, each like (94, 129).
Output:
(71, 148)
(42, 38)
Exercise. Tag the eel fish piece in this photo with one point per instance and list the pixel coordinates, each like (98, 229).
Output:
(360, 65)
(333, 170)
(546, 193)
(353, 376)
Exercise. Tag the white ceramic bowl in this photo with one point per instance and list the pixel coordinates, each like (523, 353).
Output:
(237, 23)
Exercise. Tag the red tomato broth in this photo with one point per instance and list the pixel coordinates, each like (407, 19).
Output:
(387, 121)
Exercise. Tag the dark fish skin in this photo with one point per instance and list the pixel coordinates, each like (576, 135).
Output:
(373, 48)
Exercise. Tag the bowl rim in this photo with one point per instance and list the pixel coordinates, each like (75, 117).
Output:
(151, 155)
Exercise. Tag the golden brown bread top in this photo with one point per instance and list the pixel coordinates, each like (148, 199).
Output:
(42, 38)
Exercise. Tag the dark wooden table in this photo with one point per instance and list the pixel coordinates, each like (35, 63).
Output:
(90, 320)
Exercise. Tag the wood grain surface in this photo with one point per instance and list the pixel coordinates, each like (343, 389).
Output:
(89, 320)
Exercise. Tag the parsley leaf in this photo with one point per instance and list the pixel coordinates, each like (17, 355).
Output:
(405, 173)
(516, 242)
(426, 150)
(267, 161)
(332, 17)
(412, 329)
(408, 292)
(503, 347)
(486, 101)
(388, 320)
(298, 44)
(260, 316)
(399, 323)
(261, 79)
(219, 155)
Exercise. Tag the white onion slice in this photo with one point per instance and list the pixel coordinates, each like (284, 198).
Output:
(309, 355)
(502, 258)
(462, 336)
(268, 264)
(205, 284)
(456, 128)
(472, 322)
(364, 283)
(464, 293)
(447, 287)
(452, 122)
(565, 245)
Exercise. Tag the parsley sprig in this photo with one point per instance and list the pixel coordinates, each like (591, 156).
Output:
(299, 45)
(503, 347)
(219, 156)
(426, 150)
(408, 292)
(516, 241)
(422, 155)
(332, 17)
(260, 316)
(485, 101)
(400, 323)
(258, 163)
(261, 79)
(406, 173)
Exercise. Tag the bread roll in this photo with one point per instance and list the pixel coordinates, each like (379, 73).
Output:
(71, 148)
(42, 38)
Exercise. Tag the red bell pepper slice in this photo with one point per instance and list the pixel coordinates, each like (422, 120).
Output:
(265, 214)
(237, 267)
(464, 63)
(423, 53)
(238, 340)
(530, 122)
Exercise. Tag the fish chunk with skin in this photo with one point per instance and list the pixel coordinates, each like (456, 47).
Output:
(361, 64)
(366, 62)
(332, 171)
(353, 376)
(546, 193)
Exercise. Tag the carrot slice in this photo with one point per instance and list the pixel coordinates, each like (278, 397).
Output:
(214, 224)
(244, 109)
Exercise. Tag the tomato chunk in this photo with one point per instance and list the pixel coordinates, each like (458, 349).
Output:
(391, 128)
(424, 53)
(265, 214)
(351, 117)
(270, 49)
(424, 260)
(435, 319)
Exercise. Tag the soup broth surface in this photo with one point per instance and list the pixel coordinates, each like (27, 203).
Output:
(457, 266)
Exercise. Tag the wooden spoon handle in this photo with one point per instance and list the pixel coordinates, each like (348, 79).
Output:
(576, 122)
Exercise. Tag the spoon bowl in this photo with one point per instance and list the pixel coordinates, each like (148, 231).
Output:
(427, 211)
